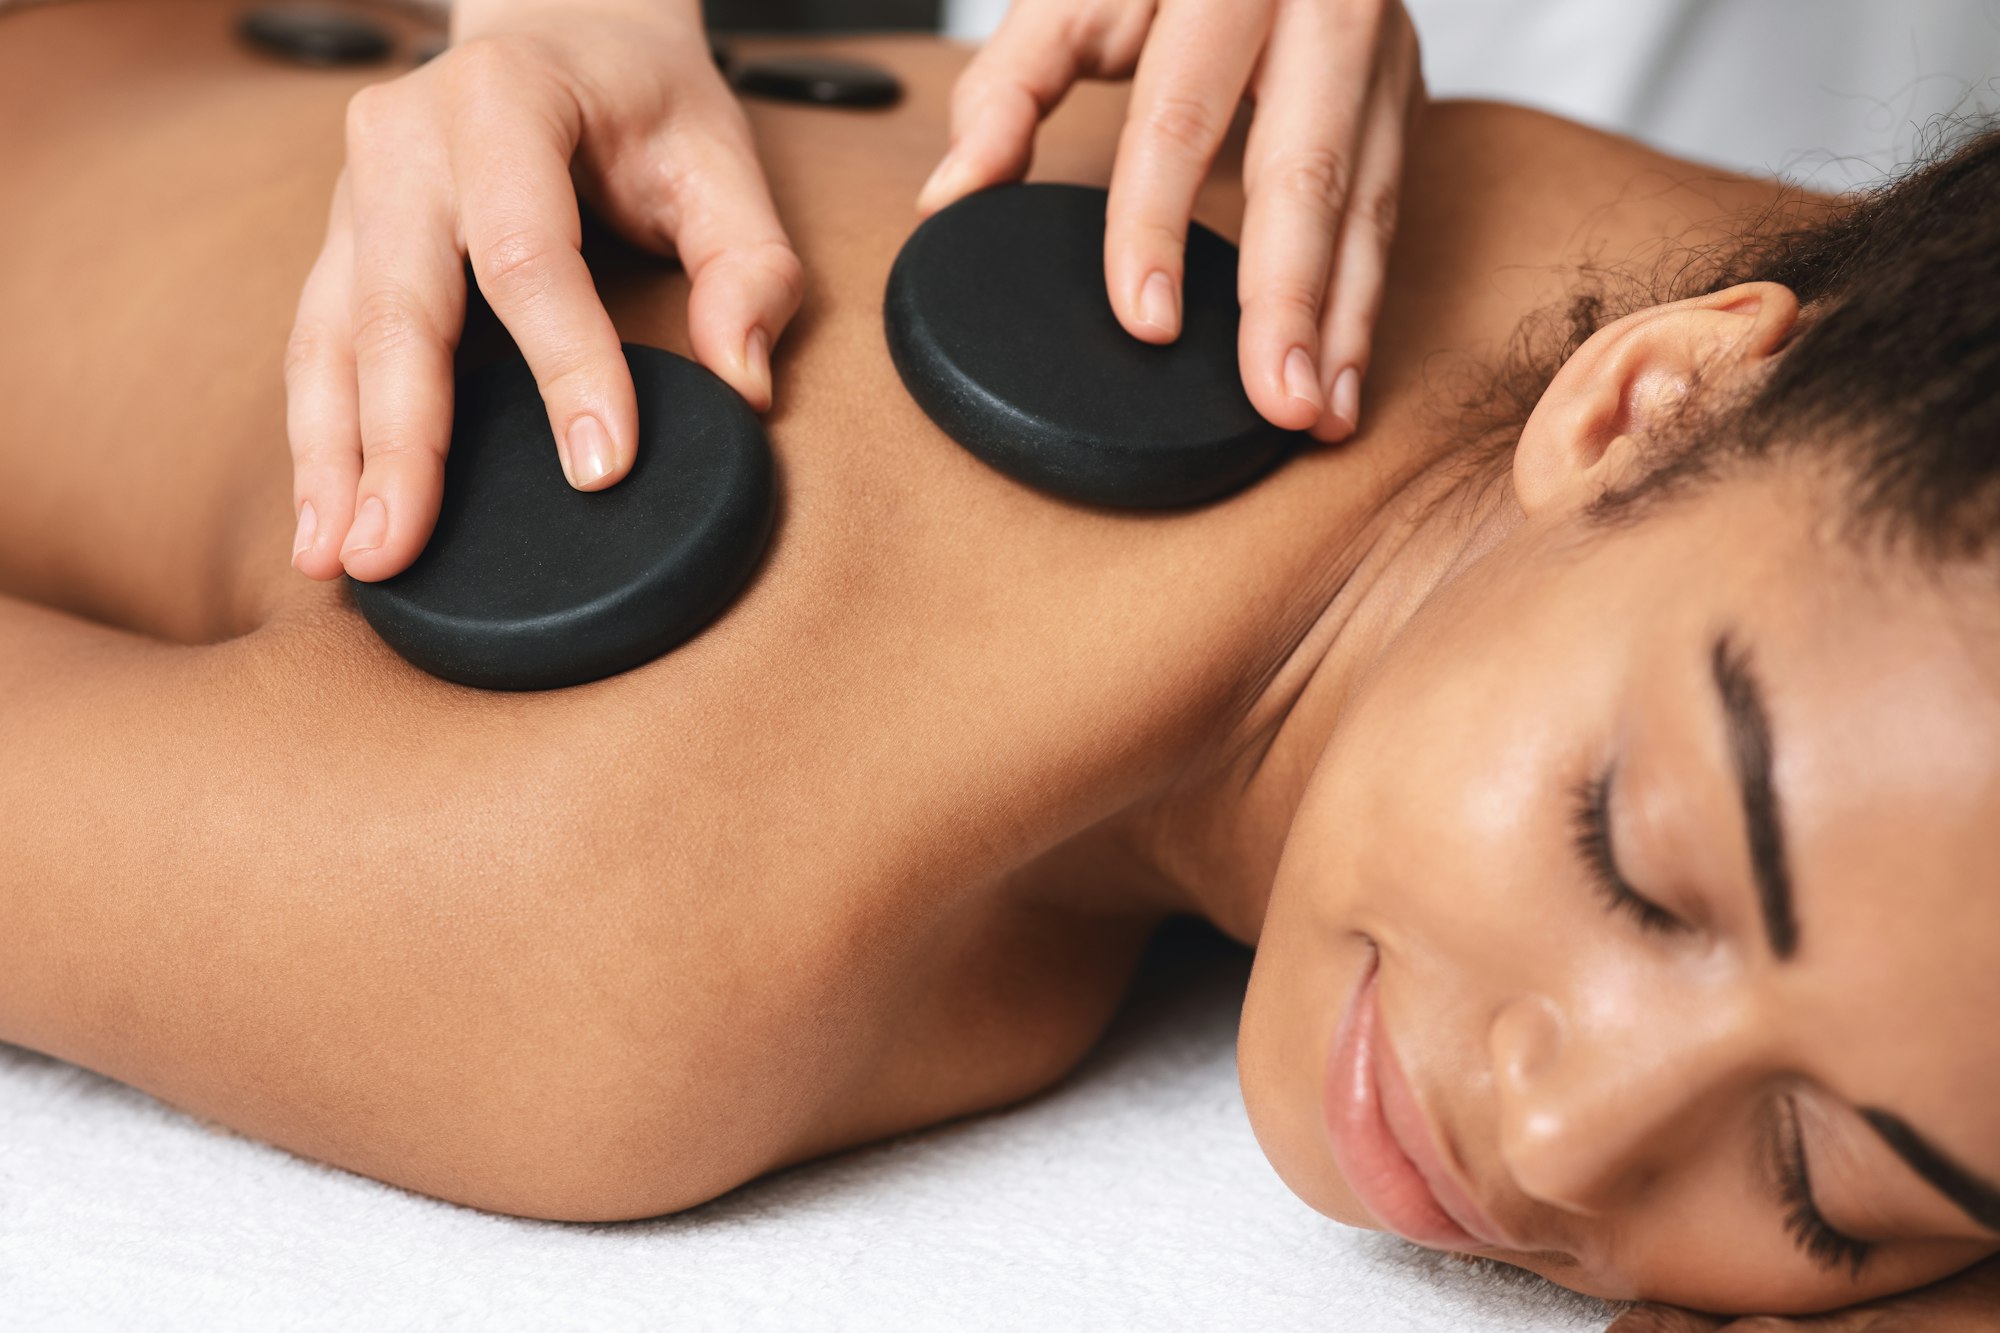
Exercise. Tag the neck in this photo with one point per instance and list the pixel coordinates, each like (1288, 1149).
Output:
(1212, 842)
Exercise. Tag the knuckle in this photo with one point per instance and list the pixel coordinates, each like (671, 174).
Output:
(1380, 210)
(571, 374)
(1161, 236)
(1108, 37)
(388, 320)
(771, 263)
(515, 262)
(1078, 27)
(307, 350)
(395, 444)
(1287, 299)
(782, 265)
(664, 180)
(1184, 125)
(371, 112)
(969, 94)
(311, 452)
(1151, 236)
(494, 63)
(989, 102)
(1316, 177)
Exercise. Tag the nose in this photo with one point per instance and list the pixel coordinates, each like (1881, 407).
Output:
(1595, 1099)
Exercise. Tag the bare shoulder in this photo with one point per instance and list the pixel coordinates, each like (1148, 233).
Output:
(1506, 209)
(1510, 157)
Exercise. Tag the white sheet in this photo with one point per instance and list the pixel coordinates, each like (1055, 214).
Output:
(1133, 1195)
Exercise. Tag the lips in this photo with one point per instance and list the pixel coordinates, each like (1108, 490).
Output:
(1383, 1145)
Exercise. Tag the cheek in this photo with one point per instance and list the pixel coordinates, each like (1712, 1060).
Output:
(1420, 830)
(1301, 979)
(1452, 797)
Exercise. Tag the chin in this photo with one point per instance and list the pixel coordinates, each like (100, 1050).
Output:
(1280, 1048)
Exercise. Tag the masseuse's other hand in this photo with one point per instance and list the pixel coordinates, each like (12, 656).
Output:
(480, 154)
(1966, 1303)
(1336, 88)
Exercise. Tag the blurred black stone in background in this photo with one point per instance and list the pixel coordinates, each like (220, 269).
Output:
(820, 15)
(314, 34)
(819, 80)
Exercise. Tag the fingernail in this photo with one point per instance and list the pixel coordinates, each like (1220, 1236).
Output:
(371, 526)
(589, 452)
(1347, 397)
(944, 180)
(757, 360)
(1156, 303)
(1301, 381)
(308, 529)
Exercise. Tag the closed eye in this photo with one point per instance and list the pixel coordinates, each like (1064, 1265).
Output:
(1821, 1242)
(1590, 824)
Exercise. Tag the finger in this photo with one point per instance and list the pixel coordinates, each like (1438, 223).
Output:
(524, 234)
(747, 281)
(1361, 259)
(320, 421)
(1017, 78)
(1190, 80)
(1662, 1319)
(408, 308)
(1312, 95)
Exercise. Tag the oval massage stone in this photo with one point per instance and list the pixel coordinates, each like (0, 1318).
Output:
(999, 323)
(820, 80)
(528, 584)
(314, 34)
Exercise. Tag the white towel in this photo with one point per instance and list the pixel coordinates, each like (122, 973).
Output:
(1131, 1196)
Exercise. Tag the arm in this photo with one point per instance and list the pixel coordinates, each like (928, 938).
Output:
(284, 885)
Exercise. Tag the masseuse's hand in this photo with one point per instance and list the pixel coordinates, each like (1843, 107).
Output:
(481, 153)
(1336, 88)
(1966, 1303)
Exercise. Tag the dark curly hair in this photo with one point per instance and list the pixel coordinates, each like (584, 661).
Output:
(1892, 374)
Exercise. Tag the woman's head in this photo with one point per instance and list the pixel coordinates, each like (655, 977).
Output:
(1646, 877)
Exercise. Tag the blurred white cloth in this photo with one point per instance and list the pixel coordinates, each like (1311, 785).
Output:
(1831, 93)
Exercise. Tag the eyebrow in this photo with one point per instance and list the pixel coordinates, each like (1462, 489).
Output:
(1979, 1200)
(1749, 724)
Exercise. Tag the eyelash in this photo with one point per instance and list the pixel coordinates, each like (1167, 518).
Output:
(1828, 1248)
(1591, 824)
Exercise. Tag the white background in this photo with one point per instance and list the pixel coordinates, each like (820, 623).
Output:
(1828, 92)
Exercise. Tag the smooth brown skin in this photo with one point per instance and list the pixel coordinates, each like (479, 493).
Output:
(882, 845)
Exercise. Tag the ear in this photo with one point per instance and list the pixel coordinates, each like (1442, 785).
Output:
(1599, 416)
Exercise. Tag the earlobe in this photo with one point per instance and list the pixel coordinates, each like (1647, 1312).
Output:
(1606, 406)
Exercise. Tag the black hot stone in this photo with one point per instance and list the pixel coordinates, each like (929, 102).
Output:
(820, 80)
(528, 584)
(314, 34)
(999, 323)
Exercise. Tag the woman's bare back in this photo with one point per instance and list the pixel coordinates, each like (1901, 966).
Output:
(841, 866)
